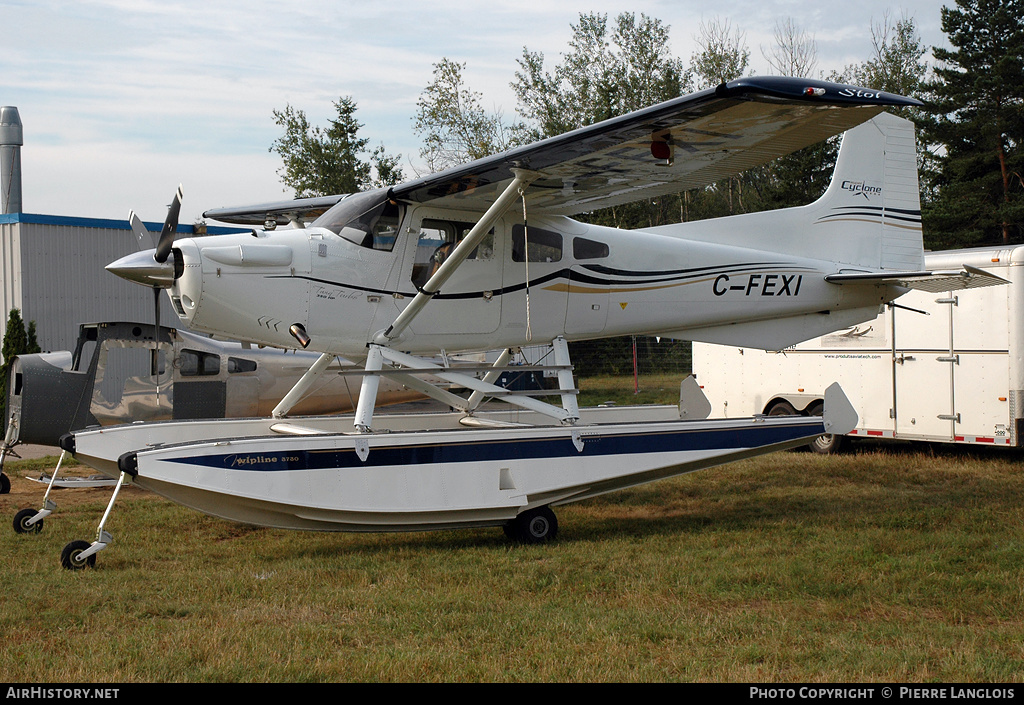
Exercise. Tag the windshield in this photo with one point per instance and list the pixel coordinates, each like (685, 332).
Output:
(368, 219)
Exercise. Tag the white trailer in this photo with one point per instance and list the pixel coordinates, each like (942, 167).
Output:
(946, 367)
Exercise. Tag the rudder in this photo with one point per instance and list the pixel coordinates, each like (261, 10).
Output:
(874, 184)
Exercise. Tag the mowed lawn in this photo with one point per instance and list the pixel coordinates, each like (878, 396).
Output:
(890, 563)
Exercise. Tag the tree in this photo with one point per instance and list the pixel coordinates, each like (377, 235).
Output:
(609, 70)
(604, 74)
(723, 54)
(975, 127)
(455, 127)
(322, 162)
(897, 65)
(17, 341)
(794, 53)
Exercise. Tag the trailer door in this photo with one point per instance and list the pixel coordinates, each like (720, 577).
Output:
(982, 363)
(923, 362)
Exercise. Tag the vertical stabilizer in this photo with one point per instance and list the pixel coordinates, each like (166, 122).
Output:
(872, 209)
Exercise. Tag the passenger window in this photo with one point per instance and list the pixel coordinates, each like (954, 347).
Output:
(238, 364)
(582, 248)
(543, 245)
(437, 240)
(193, 363)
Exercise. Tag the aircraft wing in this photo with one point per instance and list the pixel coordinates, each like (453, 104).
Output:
(281, 212)
(934, 282)
(684, 143)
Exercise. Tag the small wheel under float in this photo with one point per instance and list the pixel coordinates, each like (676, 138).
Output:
(533, 526)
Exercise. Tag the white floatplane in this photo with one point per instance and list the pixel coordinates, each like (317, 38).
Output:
(486, 257)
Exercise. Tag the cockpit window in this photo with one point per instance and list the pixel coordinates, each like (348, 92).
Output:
(368, 219)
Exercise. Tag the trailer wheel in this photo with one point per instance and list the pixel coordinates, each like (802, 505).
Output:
(826, 443)
(5, 484)
(20, 522)
(534, 526)
(782, 408)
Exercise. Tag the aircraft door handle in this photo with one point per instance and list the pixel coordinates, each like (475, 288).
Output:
(904, 358)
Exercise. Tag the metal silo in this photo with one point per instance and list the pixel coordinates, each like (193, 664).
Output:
(11, 140)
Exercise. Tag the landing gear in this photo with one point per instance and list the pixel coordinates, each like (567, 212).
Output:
(81, 554)
(71, 557)
(23, 523)
(533, 526)
(7, 448)
(28, 521)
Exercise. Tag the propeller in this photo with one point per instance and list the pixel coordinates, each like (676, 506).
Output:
(152, 267)
(149, 266)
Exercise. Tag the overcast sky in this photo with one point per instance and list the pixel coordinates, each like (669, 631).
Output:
(122, 100)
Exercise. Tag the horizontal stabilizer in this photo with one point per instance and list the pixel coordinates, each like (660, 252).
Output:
(935, 282)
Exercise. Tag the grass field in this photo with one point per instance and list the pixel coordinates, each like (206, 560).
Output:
(625, 391)
(890, 563)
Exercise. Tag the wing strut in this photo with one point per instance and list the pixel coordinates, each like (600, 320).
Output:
(568, 414)
(302, 386)
(393, 333)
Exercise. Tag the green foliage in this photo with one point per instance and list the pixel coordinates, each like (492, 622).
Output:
(604, 74)
(975, 127)
(15, 337)
(322, 162)
(17, 341)
(454, 125)
(897, 65)
(723, 56)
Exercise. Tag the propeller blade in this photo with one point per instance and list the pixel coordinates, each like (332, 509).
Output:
(163, 247)
(141, 233)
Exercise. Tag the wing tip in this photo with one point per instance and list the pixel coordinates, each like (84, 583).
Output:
(812, 90)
